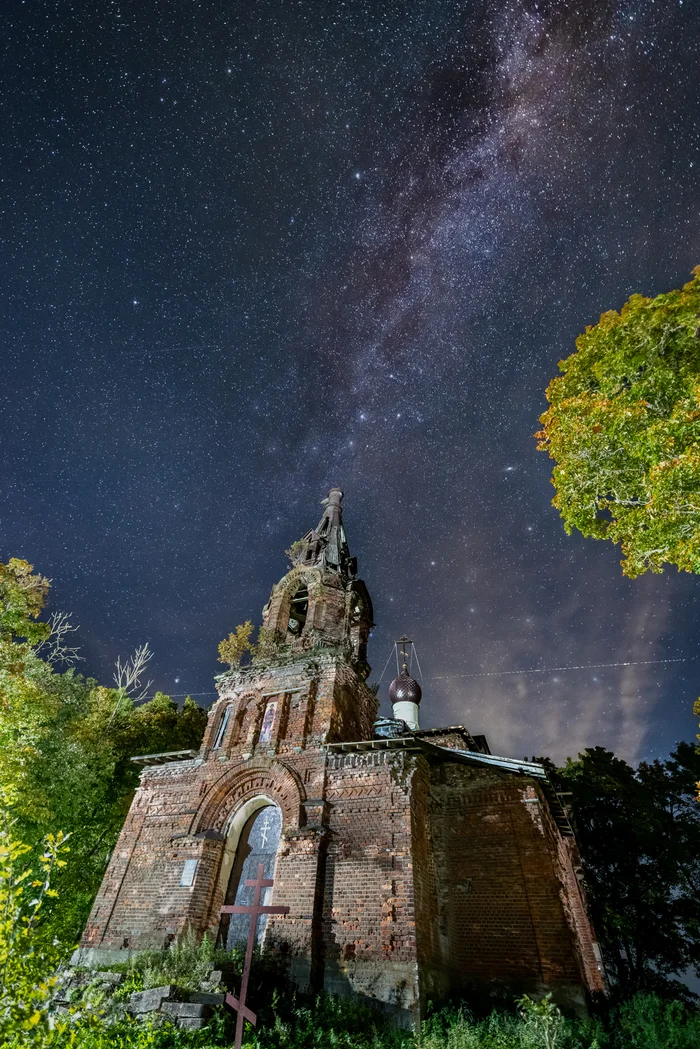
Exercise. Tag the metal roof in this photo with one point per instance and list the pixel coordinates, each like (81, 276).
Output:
(165, 758)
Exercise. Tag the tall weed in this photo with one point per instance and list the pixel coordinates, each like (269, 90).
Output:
(187, 963)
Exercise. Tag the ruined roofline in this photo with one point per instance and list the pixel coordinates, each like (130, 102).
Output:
(321, 655)
(416, 742)
(459, 730)
(505, 765)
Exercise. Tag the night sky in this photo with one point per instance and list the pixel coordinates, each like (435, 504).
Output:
(253, 250)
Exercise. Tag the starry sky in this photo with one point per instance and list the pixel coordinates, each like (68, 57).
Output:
(252, 250)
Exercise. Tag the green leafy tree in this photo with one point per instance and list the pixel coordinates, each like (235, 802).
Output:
(77, 774)
(624, 429)
(22, 598)
(639, 834)
(66, 746)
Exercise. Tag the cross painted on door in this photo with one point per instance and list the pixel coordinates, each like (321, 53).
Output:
(239, 1004)
(265, 830)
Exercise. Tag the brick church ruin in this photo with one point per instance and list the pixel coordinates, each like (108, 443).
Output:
(415, 864)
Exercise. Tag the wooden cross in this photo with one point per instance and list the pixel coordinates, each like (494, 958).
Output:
(256, 909)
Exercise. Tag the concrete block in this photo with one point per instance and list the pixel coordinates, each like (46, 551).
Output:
(91, 957)
(186, 1009)
(213, 980)
(207, 997)
(150, 1001)
(108, 979)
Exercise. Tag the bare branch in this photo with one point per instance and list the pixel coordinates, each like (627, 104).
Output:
(55, 649)
(127, 675)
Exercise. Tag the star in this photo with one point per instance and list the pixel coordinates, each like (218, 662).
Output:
(184, 447)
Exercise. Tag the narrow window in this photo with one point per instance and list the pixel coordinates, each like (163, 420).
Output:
(188, 873)
(221, 732)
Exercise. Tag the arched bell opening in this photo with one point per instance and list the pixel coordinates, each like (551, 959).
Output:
(298, 612)
(253, 838)
(359, 624)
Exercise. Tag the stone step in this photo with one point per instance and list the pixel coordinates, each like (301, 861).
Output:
(206, 997)
(186, 1009)
(151, 1000)
(192, 1023)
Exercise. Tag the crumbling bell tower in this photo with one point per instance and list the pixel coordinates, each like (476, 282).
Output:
(264, 745)
(320, 604)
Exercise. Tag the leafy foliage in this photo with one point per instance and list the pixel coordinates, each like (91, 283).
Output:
(543, 1020)
(22, 597)
(66, 745)
(624, 430)
(187, 963)
(25, 961)
(639, 834)
(236, 645)
(645, 1022)
(296, 551)
(648, 1022)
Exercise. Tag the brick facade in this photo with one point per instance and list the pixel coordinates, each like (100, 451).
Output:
(413, 868)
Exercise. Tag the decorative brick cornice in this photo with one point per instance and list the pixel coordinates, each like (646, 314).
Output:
(235, 786)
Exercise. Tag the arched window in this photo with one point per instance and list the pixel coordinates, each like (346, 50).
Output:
(221, 731)
(258, 843)
(297, 612)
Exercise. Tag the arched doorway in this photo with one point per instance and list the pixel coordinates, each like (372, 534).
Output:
(258, 841)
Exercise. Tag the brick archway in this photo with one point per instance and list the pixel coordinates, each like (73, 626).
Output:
(278, 615)
(270, 778)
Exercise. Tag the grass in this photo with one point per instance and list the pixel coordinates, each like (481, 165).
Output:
(187, 963)
(288, 1020)
(644, 1022)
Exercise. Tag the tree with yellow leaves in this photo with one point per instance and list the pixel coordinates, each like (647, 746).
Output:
(623, 427)
(234, 647)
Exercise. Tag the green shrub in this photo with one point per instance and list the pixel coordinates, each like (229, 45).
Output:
(186, 962)
(539, 1025)
(26, 962)
(324, 1022)
(327, 1022)
(648, 1022)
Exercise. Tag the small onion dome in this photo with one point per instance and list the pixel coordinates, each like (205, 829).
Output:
(404, 689)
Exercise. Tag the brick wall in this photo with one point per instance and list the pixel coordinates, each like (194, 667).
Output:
(369, 921)
(507, 910)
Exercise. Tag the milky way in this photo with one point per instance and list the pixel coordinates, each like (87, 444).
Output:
(256, 250)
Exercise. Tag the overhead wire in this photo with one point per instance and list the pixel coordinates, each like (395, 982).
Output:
(561, 670)
(489, 673)
(386, 665)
